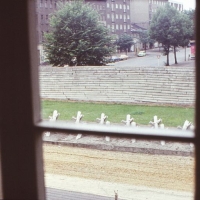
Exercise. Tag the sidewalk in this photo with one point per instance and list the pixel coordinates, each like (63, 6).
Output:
(188, 63)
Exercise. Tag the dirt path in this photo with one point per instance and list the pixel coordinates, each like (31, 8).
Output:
(158, 171)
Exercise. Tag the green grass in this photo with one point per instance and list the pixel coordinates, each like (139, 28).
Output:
(171, 116)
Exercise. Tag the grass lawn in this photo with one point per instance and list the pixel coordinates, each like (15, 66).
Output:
(171, 116)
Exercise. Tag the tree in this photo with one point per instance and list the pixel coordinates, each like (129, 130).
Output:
(160, 27)
(77, 36)
(192, 16)
(124, 42)
(145, 38)
(182, 30)
(170, 28)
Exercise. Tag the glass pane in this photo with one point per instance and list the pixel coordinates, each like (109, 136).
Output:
(92, 168)
(87, 77)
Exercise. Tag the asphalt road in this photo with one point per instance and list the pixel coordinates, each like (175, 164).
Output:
(153, 58)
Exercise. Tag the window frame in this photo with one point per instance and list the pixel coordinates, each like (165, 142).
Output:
(22, 173)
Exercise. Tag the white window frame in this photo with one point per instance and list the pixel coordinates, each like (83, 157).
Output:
(21, 125)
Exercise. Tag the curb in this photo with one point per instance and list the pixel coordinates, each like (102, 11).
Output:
(143, 147)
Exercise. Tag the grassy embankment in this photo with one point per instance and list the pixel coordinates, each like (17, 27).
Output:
(171, 116)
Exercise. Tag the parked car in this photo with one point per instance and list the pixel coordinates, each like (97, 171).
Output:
(114, 59)
(123, 57)
(141, 54)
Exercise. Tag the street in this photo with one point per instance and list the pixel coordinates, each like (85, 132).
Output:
(153, 58)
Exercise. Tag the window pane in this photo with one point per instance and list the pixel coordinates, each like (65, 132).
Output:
(147, 83)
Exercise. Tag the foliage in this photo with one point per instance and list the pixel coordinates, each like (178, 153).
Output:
(172, 116)
(77, 35)
(170, 28)
(145, 38)
(124, 42)
(182, 30)
(192, 15)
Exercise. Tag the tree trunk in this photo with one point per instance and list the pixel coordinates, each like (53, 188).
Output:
(185, 54)
(175, 55)
(167, 64)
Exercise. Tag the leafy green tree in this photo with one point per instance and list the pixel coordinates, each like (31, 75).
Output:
(124, 42)
(77, 36)
(160, 27)
(182, 30)
(171, 28)
(145, 38)
(192, 16)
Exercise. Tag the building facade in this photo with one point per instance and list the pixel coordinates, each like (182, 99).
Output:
(143, 11)
(114, 14)
(155, 4)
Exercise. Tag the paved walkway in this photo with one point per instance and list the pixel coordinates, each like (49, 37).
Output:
(58, 194)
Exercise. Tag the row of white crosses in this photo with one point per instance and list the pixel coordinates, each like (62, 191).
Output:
(156, 123)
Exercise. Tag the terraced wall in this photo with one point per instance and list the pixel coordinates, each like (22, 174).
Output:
(143, 85)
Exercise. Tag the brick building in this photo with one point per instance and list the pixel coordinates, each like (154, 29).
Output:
(114, 14)
(142, 11)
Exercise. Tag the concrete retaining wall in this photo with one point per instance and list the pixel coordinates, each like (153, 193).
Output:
(160, 85)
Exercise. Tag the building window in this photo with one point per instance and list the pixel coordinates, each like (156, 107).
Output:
(45, 4)
(117, 26)
(113, 17)
(42, 19)
(117, 16)
(41, 3)
(113, 28)
(116, 5)
(124, 18)
(121, 26)
(124, 27)
(47, 18)
(42, 34)
(50, 3)
(120, 16)
(120, 6)
(108, 16)
(108, 5)
(112, 7)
